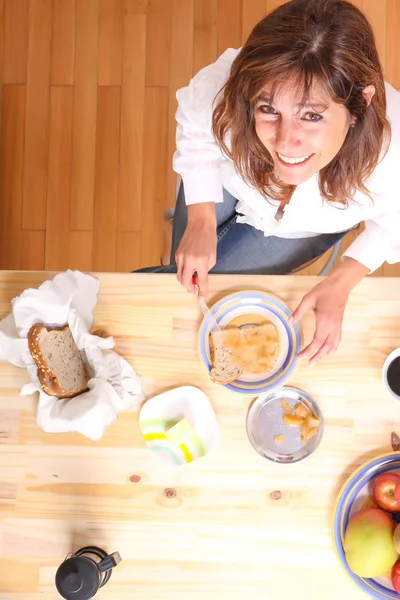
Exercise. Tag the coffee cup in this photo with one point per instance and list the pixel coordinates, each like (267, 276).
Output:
(391, 374)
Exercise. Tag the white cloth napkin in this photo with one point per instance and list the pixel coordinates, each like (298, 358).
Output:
(70, 298)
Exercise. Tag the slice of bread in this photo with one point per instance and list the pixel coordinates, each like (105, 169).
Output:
(223, 370)
(61, 370)
(252, 350)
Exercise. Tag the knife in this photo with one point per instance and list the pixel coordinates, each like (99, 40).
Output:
(203, 304)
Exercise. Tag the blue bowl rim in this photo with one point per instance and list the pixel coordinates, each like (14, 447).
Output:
(344, 501)
(293, 330)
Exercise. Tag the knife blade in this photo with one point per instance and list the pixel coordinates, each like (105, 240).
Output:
(203, 304)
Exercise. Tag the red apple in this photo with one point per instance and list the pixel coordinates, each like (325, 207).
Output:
(386, 492)
(396, 576)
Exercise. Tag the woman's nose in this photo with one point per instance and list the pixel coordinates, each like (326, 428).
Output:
(288, 136)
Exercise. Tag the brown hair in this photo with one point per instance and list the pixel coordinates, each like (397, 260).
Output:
(331, 42)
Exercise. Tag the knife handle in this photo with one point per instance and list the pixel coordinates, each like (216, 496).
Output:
(195, 283)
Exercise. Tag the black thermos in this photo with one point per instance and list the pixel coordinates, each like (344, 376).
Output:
(82, 574)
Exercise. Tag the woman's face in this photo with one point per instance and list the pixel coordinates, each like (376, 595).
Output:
(301, 139)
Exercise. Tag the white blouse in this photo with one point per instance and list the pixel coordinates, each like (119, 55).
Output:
(205, 171)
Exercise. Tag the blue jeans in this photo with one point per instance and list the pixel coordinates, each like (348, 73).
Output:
(243, 249)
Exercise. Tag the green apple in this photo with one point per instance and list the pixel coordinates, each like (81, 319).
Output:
(368, 543)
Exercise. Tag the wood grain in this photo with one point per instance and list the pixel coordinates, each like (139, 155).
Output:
(132, 45)
(128, 251)
(252, 12)
(270, 5)
(63, 40)
(132, 117)
(181, 71)
(392, 46)
(16, 18)
(11, 173)
(110, 42)
(85, 114)
(229, 24)
(158, 45)
(37, 115)
(80, 250)
(376, 13)
(154, 161)
(61, 492)
(33, 247)
(2, 11)
(59, 178)
(205, 33)
(106, 179)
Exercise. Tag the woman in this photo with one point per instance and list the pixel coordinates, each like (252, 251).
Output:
(283, 147)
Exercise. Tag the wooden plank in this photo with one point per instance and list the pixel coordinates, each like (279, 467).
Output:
(106, 179)
(61, 492)
(37, 115)
(392, 47)
(205, 33)
(84, 122)
(229, 24)
(132, 116)
(80, 250)
(110, 42)
(252, 12)
(154, 161)
(11, 174)
(32, 250)
(181, 71)
(270, 5)
(63, 48)
(2, 15)
(128, 251)
(376, 13)
(16, 19)
(59, 179)
(391, 270)
(18, 575)
(158, 46)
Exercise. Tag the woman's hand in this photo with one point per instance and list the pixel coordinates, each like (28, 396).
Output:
(198, 248)
(328, 301)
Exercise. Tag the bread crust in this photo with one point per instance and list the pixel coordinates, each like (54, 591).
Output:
(47, 377)
(213, 371)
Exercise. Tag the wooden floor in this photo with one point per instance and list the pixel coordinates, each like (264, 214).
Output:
(87, 119)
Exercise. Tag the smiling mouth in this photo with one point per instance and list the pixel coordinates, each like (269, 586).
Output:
(292, 161)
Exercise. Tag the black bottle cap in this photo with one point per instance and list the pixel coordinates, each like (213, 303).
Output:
(77, 578)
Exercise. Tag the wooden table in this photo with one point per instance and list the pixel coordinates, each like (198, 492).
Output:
(221, 536)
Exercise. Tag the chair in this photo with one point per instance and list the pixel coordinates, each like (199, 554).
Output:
(334, 252)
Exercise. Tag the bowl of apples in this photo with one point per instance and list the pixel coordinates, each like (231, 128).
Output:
(366, 527)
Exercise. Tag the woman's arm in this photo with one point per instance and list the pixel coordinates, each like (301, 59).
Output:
(198, 248)
(349, 274)
(198, 157)
(198, 160)
(379, 242)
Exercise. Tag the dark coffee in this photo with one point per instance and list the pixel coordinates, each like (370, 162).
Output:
(393, 376)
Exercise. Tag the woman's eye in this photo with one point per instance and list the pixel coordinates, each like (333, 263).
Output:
(314, 117)
(266, 109)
